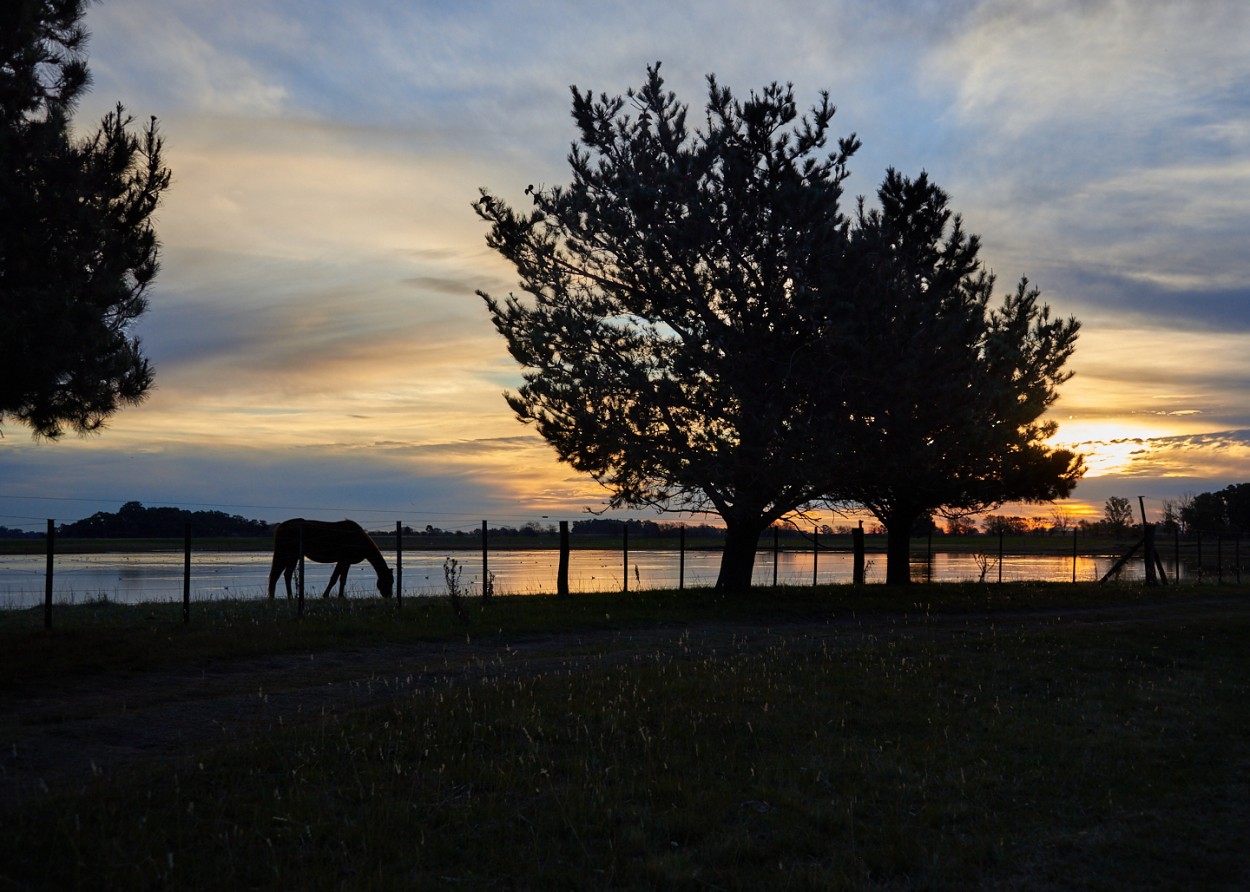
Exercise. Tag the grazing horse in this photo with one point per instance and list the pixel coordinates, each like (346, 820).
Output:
(341, 543)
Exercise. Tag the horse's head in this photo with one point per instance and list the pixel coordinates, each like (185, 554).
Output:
(386, 582)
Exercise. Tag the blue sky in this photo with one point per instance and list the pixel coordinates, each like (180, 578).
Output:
(320, 350)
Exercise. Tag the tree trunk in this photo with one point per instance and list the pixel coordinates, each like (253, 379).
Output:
(737, 562)
(898, 550)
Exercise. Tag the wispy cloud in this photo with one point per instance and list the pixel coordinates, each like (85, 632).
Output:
(1104, 147)
(191, 58)
(1129, 67)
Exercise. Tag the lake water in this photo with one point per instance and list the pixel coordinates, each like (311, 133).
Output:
(158, 576)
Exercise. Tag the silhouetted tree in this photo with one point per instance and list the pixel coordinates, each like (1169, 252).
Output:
(1062, 520)
(678, 298)
(77, 247)
(1117, 513)
(960, 526)
(1172, 521)
(950, 421)
(997, 524)
(1205, 513)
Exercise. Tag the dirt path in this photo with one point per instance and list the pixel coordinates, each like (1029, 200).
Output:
(57, 739)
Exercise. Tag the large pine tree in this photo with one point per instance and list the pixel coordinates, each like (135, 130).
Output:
(677, 298)
(952, 418)
(77, 247)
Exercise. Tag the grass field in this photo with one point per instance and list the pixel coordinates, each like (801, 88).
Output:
(944, 737)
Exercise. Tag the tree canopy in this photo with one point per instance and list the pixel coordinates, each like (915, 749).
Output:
(78, 249)
(703, 328)
(1117, 513)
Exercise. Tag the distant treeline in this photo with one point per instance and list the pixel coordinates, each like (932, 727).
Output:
(10, 533)
(599, 526)
(133, 521)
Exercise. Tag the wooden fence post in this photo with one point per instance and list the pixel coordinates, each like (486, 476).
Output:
(1000, 555)
(186, 573)
(487, 587)
(1148, 539)
(815, 553)
(47, 585)
(625, 547)
(1074, 549)
(562, 571)
(399, 564)
(857, 546)
(776, 553)
(681, 559)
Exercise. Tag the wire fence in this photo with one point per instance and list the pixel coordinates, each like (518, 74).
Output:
(209, 573)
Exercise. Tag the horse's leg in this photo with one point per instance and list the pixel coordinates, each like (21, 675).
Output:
(340, 576)
(287, 576)
(340, 573)
(274, 572)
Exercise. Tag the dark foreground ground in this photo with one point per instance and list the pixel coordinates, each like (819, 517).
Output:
(57, 734)
(63, 737)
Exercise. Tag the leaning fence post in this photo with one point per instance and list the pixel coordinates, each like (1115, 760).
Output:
(186, 573)
(1074, 551)
(47, 585)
